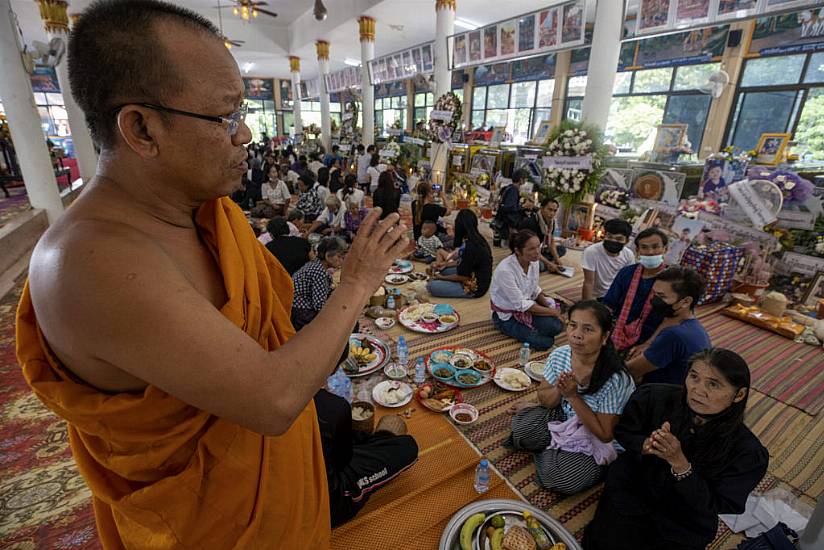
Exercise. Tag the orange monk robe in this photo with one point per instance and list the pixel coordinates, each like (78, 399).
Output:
(164, 474)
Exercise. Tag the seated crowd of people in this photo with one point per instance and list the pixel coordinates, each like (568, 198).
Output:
(636, 393)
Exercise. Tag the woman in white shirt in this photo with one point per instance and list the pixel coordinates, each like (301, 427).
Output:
(519, 308)
(350, 192)
(276, 193)
(374, 172)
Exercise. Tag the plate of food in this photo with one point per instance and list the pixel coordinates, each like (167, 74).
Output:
(385, 322)
(396, 279)
(430, 318)
(535, 370)
(437, 397)
(401, 266)
(392, 393)
(512, 379)
(366, 355)
(418, 276)
(469, 368)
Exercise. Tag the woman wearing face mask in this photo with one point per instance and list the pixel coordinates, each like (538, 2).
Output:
(584, 391)
(630, 294)
(688, 457)
(519, 308)
(679, 336)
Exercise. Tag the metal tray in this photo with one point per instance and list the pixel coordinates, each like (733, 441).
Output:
(450, 539)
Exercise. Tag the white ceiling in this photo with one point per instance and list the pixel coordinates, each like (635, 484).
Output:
(269, 41)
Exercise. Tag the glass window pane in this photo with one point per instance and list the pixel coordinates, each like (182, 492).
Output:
(632, 120)
(420, 114)
(479, 98)
(54, 99)
(379, 119)
(523, 94)
(396, 102)
(498, 97)
(577, 86)
(288, 123)
(420, 100)
(518, 125)
(430, 99)
(477, 119)
(810, 131)
(545, 90)
(305, 106)
(771, 71)
(691, 110)
(815, 71)
(691, 77)
(402, 102)
(40, 98)
(334, 107)
(497, 117)
(759, 113)
(574, 109)
(460, 94)
(652, 80)
(540, 116)
(622, 82)
(60, 119)
(428, 112)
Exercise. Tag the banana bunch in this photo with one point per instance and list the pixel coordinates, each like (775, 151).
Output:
(362, 355)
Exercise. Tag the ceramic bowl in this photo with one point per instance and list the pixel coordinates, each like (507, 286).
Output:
(467, 372)
(461, 409)
(385, 322)
(439, 367)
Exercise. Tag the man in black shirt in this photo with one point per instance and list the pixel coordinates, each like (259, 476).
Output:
(292, 252)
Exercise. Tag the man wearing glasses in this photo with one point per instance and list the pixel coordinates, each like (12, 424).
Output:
(156, 324)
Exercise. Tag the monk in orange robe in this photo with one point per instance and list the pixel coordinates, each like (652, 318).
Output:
(156, 324)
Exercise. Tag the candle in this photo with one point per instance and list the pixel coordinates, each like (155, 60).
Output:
(536, 197)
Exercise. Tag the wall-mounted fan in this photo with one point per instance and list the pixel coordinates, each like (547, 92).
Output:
(43, 55)
(715, 84)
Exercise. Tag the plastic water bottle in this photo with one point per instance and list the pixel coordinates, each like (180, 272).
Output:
(420, 371)
(523, 355)
(482, 476)
(340, 385)
(403, 353)
(390, 302)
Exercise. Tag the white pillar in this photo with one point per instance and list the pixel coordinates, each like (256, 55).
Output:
(603, 62)
(367, 41)
(24, 122)
(294, 65)
(56, 22)
(325, 118)
(444, 27)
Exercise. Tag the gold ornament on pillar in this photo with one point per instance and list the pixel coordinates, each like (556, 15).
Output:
(73, 17)
(322, 46)
(54, 14)
(367, 28)
(294, 64)
(445, 5)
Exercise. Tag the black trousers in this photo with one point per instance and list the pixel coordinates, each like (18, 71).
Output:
(357, 464)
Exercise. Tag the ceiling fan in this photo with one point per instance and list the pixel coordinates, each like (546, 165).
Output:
(226, 40)
(248, 9)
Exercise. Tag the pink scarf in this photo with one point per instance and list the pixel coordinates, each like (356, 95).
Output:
(523, 317)
(624, 336)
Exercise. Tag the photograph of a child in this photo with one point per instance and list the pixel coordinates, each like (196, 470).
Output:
(713, 181)
(770, 148)
(684, 231)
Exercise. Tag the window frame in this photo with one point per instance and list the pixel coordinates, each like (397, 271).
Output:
(510, 109)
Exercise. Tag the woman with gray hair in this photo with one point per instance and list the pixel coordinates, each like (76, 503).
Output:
(313, 281)
(330, 220)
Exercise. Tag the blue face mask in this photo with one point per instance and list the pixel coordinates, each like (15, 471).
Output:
(652, 262)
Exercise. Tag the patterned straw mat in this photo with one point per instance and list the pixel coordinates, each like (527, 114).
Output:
(794, 439)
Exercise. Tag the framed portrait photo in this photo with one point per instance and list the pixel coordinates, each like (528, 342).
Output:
(736, 9)
(578, 217)
(815, 291)
(542, 133)
(653, 15)
(770, 149)
(669, 136)
(498, 135)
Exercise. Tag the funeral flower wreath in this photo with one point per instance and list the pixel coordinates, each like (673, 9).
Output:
(440, 130)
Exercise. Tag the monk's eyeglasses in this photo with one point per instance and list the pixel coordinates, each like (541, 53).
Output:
(232, 121)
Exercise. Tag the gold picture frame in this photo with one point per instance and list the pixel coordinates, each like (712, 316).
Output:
(770, 148)
(542, 134)
(669, 136)
(580, 215)
(498, 135)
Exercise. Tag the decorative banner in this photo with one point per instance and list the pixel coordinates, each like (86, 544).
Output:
(568, 163)
(44, 79)
(790, 33)
(793, 262)
(492, 74)
(310, 89)
(413, 140)
(445, 116)
(347, 78)
(403, 65)
(682, 48)
(394, 131)
(748, 200)
(533, 68)
(553, 28)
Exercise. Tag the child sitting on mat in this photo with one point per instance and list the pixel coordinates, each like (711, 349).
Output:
(430, 247)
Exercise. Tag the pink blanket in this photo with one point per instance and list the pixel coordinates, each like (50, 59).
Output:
(572, 436)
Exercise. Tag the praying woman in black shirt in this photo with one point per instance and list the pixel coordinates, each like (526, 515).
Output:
(688, 458)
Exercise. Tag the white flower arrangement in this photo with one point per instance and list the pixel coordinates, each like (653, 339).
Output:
(574, 142)
(442, 131)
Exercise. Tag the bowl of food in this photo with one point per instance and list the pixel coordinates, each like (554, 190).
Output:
(467, 378)
(441, 356)
(447, 319)
(395, 371)
(429, 318)
(535, 370)
(463, 413)
(385, 322)
(482, 366)
(443, 371)
(462, 361)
